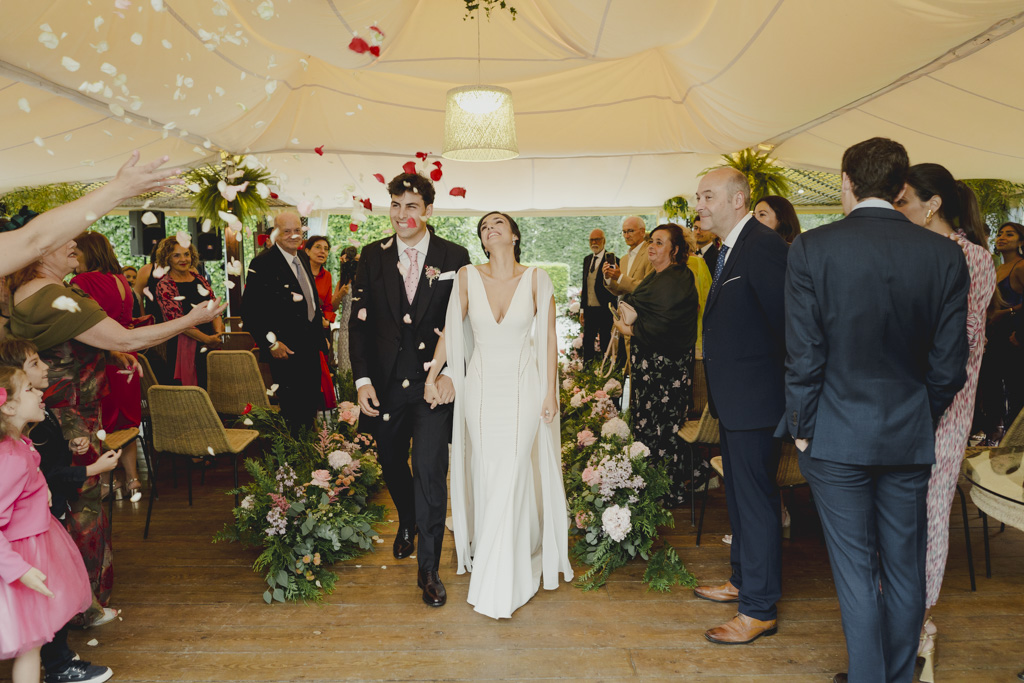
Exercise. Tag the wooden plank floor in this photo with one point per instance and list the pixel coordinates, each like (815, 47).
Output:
(193, 611)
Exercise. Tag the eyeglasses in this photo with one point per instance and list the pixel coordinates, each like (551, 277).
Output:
(596, 240)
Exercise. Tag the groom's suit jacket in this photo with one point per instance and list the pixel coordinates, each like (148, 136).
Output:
(376, 326)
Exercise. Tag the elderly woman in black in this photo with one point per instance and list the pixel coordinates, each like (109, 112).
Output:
(661, 353)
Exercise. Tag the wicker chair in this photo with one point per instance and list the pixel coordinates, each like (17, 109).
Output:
(237, 341)
(696, 433)
(234, 381)
(186, 425)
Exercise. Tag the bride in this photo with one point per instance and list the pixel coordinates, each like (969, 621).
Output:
(508, 501)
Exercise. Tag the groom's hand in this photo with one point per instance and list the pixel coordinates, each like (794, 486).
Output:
(368, 396)
(445, 389)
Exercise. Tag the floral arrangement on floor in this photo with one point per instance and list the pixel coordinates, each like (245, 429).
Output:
(308, 505)
(613, 487)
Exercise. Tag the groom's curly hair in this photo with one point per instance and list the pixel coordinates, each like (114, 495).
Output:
(511, 222)
(414, 182)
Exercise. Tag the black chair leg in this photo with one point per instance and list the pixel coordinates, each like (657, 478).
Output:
(690, 459)
(700, 520)
(988, 558)
(152, 464)
(110, 503)
(967, 537)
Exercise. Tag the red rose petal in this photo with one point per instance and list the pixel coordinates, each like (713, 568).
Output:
(411, 223)
(353, 226)
(273, 195)
(409, 167)
(379, 178)
(458, 192)
(261, 240)
(375, 50)
(247, 409)
(435, 175)
(421, 155)
(377, 30)
(436, 163)
(319, 150)
(358, 45)
(367, 204)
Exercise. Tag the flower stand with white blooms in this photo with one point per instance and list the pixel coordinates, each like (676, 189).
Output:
(613, 488)
(308, 505)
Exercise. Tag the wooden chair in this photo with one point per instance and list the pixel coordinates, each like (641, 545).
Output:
(186, 425)
(233, 381)
(233, 323)
(114, 441)
(696, 433)
(237, 341)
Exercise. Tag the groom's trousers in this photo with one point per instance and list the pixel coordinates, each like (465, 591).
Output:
(420, 494)
(875, 521)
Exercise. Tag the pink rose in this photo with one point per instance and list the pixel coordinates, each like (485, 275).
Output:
(582, 520)
(591, 476)
(321, 478)
(348, 412)
(600, 393)
(586, 438)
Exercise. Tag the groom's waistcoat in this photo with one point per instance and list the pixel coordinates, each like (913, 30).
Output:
(407, 363)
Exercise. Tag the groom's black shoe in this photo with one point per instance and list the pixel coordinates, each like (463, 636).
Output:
(433, 590)
(405, 543)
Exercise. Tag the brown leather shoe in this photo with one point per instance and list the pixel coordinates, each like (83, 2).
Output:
(741, 630)
(405, 543)
(724, 593)
(434, 593)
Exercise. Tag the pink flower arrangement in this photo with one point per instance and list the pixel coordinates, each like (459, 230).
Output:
(338, 459)
(321, 478)
(583, 519)
(348, 412)
(586, 438)
(600, 393)
(280, 501)
(591, 476)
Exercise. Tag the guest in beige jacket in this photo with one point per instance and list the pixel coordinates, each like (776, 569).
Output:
(634, 266)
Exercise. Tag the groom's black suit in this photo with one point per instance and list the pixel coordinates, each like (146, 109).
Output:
(390, 352)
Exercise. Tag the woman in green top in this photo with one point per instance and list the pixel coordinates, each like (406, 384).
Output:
(661, 352)
(76, 338)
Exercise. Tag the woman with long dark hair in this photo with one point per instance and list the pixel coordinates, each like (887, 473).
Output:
(937, 202)
(779, 215)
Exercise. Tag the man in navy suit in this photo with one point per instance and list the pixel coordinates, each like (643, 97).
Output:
(281, 310)
(744, 355)
(876, 318)
(595, 316)
(400, 296)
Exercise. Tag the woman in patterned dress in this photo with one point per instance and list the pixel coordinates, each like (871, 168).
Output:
(934, 200)
(661, 353)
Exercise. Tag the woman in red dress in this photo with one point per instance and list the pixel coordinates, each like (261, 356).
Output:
(318, 248)
(99, 276)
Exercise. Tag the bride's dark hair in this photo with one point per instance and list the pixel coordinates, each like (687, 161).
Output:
(511, 222)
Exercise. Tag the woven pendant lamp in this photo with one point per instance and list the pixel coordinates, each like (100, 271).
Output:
(479, 124)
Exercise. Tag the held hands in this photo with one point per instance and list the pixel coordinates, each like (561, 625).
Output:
(36, 580)
(368, 402)
(441, 392)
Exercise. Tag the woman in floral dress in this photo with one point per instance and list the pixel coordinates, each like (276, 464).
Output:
(661, 353)
(934, 200)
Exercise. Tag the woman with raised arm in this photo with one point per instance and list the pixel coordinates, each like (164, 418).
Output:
(508, 500)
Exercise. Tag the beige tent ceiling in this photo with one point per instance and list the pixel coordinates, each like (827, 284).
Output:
(619, 103)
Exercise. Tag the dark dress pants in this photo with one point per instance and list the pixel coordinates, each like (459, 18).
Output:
(597, 325)
(875, 521)
(298, 390)
(420, 495)
(750, 460)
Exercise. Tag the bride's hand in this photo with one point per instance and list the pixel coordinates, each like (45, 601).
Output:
(549, 408)
(430, 395)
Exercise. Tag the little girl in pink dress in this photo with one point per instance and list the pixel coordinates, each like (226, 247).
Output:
(43, 582)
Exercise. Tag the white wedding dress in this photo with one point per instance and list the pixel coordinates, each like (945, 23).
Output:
(509, 510)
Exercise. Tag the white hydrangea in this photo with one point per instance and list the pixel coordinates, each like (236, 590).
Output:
(615, 427)
(567, 384)
(574, 307)
(339, 459)
(577, 400)
(613, 387)
(638, 450)
(615, 521)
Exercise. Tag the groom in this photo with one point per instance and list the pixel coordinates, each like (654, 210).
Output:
(401, 292)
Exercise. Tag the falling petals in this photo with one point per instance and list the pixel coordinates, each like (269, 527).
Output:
(353, 227)
(271, 337)
(209, 449)
(265, 10)
(234, 267)
(136, 38)
(66, 303)
(183, 238)
(122, 4)
(305, 207)
(149, 218)
(24, 105)
(262, 190)
(405, 384)
(228, 218)
(159, 272)
(386, 417)
(426, 366)
(380, 178)
(435, 175)
(409, 167)
(367, 204)
(70, 64)
(457, 192)
(361, 314)
(410, 223)
(296, 297)
(407, 319)
(247, 422)
(359, 46)
(422, 346)
(207, 225)
(377, 31)
(49, 39)
(319, 150)
(422, 156)
(273, 389)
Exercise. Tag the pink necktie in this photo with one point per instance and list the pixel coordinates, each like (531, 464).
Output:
(412, 275)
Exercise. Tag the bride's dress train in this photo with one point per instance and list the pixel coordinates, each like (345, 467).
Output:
(508, 501)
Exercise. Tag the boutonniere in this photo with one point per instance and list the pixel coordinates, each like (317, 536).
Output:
(432, 274)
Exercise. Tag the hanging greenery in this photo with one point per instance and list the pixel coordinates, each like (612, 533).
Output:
(40, 199)
(240, 189)
(677, 210)
(996, 198)
(764, 175)
(487, 5)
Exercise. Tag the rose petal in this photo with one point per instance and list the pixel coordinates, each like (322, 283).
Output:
(159, 272)
(367, 204)
(358, 45)
(296, 297)
(24, 105)
(101, 435)
(422, 346)
(407, 319)
(149, 218)
(66, 303)
(70, 64)
(361, 314)
(377, 31)
(272, 390)
(209, 449)
(305, 207)
(319, 150)
(409, 167)
(410, 223)
(183, 238)
(405, 384)
(353, 226)
(148, 294)
(375, 50)
(457, 192)
(435, 175)
(203, 291)
(385, 417)
(379, 178)
(422, 156)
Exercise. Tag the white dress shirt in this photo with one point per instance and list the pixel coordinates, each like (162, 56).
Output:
(290, 259)
(731, 240)
(873, 204)
(627, 261)
(592, 275)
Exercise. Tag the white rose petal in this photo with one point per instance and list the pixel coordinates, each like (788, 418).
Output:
(183, 238)
(422, 346)
(272, 390)
(296, 297)
(70, 64)
(207, 225)
(93, 643)
(203, 291)
(137, 38)
(66, 303)
(407, 319)
(49, 39)
(271, 337)
(405, 384)
(24, 105)
(265, 10)
(209, 449)
(247, 422)
(101, 435)
(149, 218)
(386, 417)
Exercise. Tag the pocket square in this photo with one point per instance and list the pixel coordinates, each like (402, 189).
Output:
(731, 279)
(450, 275)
